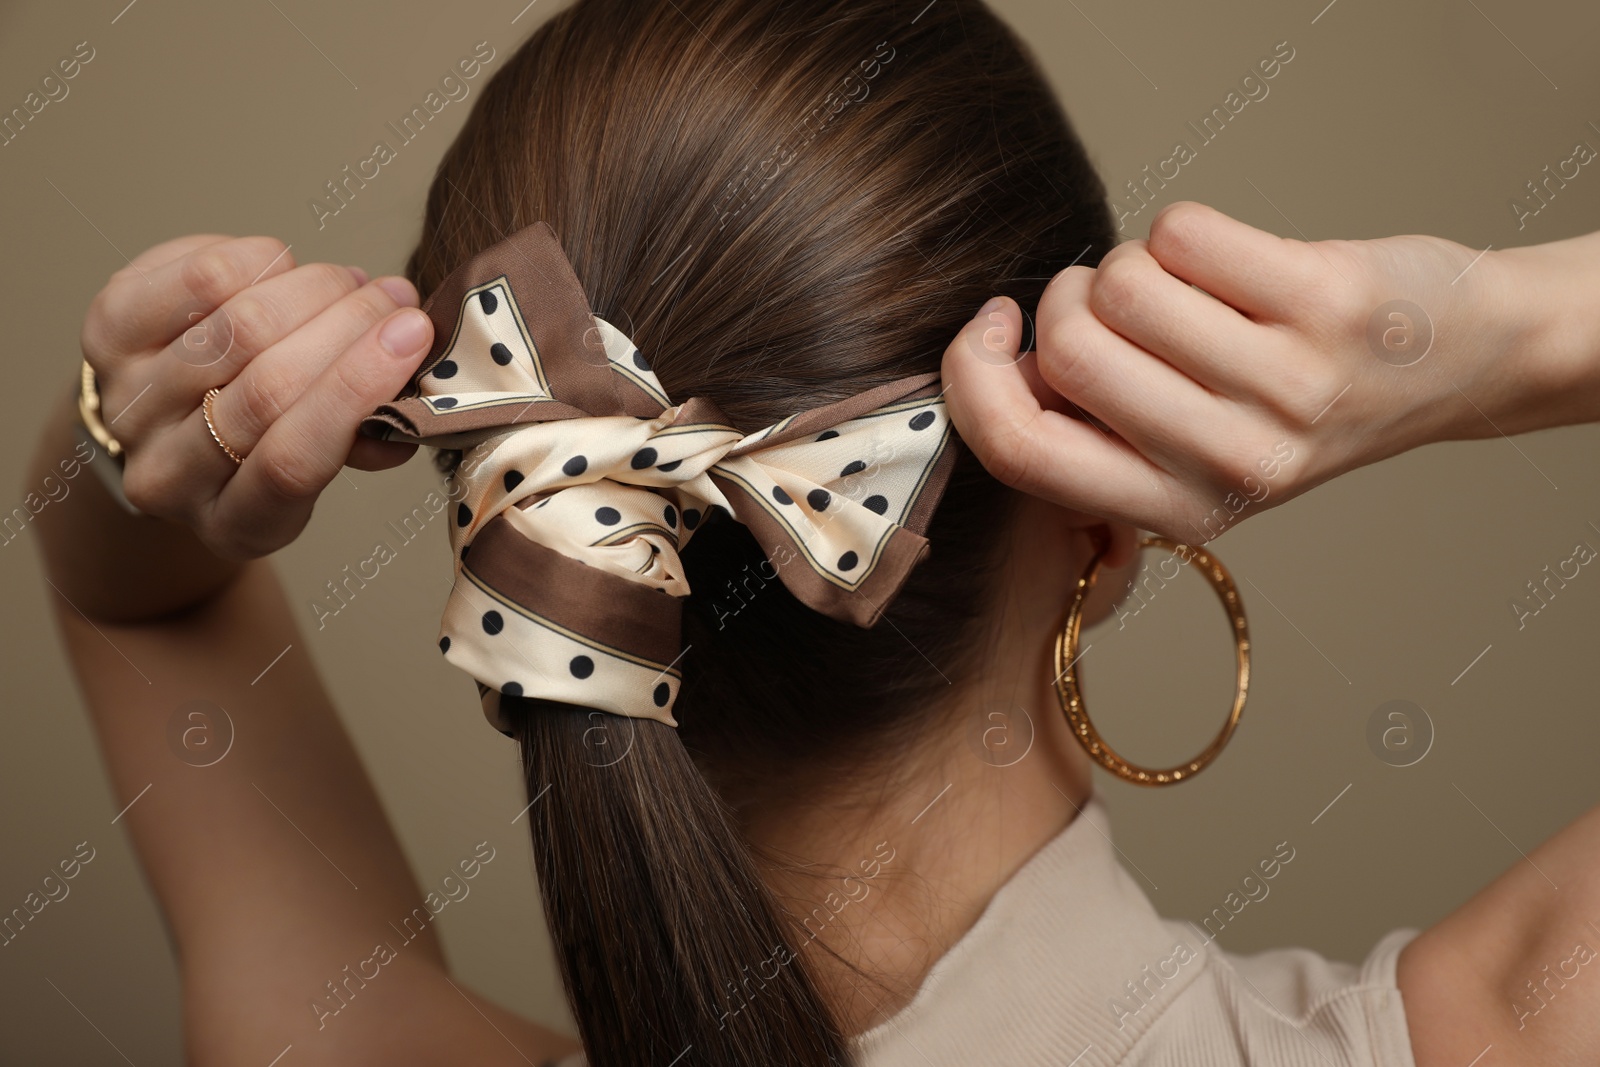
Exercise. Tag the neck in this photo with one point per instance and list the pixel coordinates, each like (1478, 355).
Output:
(886, 869)
(884, 884)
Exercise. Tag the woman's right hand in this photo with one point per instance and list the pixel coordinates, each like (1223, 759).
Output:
(300, 354)
(1216, 370)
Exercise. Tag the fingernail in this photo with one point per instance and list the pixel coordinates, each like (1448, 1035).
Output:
(359, 275)
(995, 304)
(400, 291)
(405, 333)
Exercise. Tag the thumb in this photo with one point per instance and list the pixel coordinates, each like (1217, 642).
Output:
(993, 338)
(1023, 438)
(986, 391)
(994, 334)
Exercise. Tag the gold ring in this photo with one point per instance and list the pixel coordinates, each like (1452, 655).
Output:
(205, 409)
(1071, 697)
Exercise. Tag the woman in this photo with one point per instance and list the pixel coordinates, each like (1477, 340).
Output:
(785, 206)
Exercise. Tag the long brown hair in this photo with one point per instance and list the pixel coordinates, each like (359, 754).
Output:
(783, 202)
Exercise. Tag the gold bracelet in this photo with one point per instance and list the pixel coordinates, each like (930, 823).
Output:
(89, 412)
(106, 460)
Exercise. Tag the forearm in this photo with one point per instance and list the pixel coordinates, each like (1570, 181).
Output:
(1553, 289)
(110, 564)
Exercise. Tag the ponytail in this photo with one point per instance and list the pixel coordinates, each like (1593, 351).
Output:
(670, 944)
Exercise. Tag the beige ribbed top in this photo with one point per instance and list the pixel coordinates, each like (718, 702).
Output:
(1070, 966)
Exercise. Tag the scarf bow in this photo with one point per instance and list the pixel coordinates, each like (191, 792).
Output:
(582, 482)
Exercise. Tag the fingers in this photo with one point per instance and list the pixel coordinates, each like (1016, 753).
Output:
(1166, 316)
(1153, 406)
(1035, 449)
(167, 251)
(1263, 275)
(218, 347)
(146, 309)
(178, 470)
(368, 454)
(271, 382)
(269, 499)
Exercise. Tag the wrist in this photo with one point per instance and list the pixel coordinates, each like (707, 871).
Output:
(1551, 295)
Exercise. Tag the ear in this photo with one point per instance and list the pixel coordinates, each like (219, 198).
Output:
(1118, 567)
(1124, 547)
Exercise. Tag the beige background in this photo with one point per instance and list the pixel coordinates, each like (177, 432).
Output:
(1395, 117)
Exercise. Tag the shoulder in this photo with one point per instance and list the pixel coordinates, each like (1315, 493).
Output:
(1517, 967)
(1302, 1006)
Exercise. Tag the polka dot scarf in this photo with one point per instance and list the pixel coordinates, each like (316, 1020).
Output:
(582, 482)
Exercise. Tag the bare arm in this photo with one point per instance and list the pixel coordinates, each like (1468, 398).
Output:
(275, 865)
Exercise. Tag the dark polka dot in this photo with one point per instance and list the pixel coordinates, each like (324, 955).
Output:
(642, 458)
(512, 689)
(444, 401)
(691, 517)
(488, 301)
(922, 420)
(463, 514)
(575, 466)
(876, 503)
(444, 643)
(855, 466)
(493, 622)
(607, 516)
(780, 496)
(848, 561)
(512, 480)
(672, 516)
(500, 353)
(464, 550)
(542, 503)
(818, 499)
(672, 465)
(827, 435)
(581, 666)
(661, 695)
(445, 369)
(639, 360)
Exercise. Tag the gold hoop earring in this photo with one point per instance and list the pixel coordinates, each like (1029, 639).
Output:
(1071, 697)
